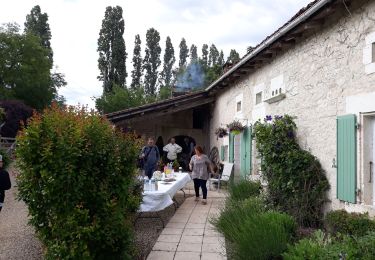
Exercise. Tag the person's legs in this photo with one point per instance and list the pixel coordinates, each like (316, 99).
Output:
(196, 188)
(149, 171)
(203, 184)
(2, 196)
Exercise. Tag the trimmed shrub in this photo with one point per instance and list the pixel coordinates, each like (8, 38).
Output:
(296, 181)
(77, 177)
(244, 189)
(355, 224)
(252, 231)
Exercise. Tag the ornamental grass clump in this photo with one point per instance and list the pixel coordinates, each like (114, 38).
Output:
(244, 189)
(297, 184)
(77, 177)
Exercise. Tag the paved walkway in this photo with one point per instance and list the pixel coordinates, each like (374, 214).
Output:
(189, 234)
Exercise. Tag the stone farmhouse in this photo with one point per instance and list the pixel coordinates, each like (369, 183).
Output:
(318, 67)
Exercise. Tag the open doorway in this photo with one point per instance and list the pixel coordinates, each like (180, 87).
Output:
(187, 143)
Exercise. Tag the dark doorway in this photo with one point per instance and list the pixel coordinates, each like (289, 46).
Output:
(187, 143)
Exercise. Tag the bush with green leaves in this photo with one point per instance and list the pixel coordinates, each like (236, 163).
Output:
(252, 231)
(77, 177)
(355, 224)
(244, 189)
(296, 181)
(322, 246)
(6, 158)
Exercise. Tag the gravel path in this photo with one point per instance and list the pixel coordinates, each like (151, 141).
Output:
(17, 238)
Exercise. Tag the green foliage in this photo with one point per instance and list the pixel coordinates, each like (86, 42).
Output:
(244, 189)
(213, 57)
(234, 57)
(355, 224)
(320, 246)
(112, 51)
(6, 158)
(204, 58)
(151, 62)
(25, 68)
(165, 93)
(37, 24)
(77, 177)
(254, 232)
(120, 98)
(137, 63)
(221, 59)
(184, 53)
(296, 181)
(169, 60)
(193, 53)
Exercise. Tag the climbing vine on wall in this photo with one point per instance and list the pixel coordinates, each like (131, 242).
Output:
(297, 184)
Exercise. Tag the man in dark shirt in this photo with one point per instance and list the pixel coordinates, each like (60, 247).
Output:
(4, 182)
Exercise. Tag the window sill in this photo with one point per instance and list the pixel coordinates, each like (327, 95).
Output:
(275, 98)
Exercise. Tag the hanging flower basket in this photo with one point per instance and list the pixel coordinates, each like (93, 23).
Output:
(221, 132)
(235, 127)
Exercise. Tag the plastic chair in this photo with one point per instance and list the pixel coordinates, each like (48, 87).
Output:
(225, 176)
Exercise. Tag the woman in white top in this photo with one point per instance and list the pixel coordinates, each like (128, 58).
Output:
(199, 165)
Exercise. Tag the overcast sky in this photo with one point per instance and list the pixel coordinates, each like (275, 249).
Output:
(75, 26)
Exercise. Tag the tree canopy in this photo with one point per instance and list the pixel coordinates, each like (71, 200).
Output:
(184, 53)
(151, 62)
(112, 51)
(137, 63)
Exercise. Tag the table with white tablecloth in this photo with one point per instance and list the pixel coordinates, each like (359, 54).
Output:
(157, 200)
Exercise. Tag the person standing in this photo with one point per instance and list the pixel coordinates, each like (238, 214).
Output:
(5, 183)
(172, 150)
(150, 155)
(199, 165)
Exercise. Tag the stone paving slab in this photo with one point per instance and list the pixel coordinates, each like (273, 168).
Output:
(189, 235)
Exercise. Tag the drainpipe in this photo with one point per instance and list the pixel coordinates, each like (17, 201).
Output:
(272, 39)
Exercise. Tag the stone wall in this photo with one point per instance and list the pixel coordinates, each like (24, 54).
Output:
(319, 77)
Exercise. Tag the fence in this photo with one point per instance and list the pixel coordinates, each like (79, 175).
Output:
(8, 144)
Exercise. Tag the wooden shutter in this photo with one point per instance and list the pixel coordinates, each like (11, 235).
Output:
(246, 152)
(222, 153)
(231, 147)
(346, 158)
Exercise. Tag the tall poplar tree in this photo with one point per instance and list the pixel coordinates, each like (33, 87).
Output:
(37, 24)
(193, 53)
(112, 51)
(151, 61)
(184, 53)
(137, 63)
(169, 60)
(204, 57)
(233, 57)
(213, 56)
(221, 58)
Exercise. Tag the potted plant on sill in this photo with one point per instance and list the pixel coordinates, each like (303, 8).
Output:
(235, 127)
(221, 132)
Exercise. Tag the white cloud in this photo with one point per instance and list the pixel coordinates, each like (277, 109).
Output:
(75, 26)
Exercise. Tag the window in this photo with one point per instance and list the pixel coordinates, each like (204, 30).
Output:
(258, 98)
(369, 53)
(373, 52)
(238, 109)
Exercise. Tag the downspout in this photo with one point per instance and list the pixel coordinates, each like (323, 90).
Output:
(272, 39)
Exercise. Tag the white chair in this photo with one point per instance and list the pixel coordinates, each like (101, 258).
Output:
(225, 176)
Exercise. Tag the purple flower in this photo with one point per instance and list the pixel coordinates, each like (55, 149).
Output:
(290, 134)
(268, 118)
(278, 117)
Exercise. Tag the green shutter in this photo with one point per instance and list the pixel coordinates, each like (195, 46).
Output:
(222, 151)
(346, 158)
(231, 147)
(246, 152)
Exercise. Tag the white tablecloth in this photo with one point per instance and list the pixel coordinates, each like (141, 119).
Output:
(162, 198)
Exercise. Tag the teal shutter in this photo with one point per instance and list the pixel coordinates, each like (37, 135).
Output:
(222, 151)
(246, 152)
(231, 147)
(346, 158)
